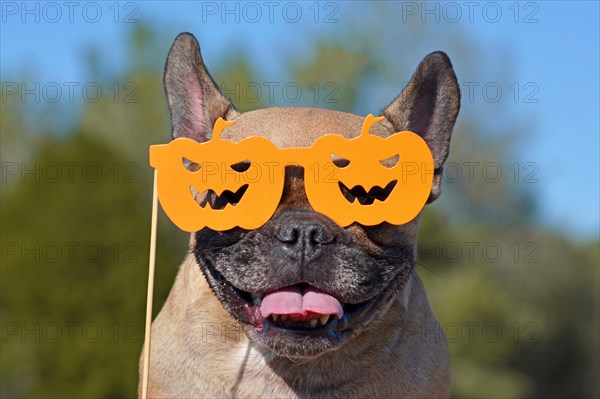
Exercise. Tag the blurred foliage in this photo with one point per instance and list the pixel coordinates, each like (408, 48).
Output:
(520, 324)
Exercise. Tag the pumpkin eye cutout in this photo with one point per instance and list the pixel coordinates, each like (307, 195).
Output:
(390, 162)
(220, 201)
(365, 197)
(242, 166)
(339, 161)
(189, 165)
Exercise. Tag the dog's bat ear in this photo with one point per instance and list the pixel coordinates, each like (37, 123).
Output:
(195, 100)
(428, 106)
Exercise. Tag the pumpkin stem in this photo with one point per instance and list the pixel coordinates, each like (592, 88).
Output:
(370, 120)
(220, 125)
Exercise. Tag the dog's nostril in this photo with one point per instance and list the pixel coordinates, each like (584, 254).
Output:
(288, 234)
(318, 235)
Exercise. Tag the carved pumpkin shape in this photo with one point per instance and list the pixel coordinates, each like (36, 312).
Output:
(370, 189)
(376, 180)
(234, 194)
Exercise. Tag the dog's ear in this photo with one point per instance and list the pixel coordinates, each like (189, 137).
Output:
(195, 101)
(428, 106)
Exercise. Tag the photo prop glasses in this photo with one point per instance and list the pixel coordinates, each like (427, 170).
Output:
(221, 184)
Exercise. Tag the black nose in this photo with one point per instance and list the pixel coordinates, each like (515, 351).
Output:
(304, 240)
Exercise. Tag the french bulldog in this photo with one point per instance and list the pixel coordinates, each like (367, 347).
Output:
(236, 325)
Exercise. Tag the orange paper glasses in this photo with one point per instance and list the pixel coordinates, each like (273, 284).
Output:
(372, 180)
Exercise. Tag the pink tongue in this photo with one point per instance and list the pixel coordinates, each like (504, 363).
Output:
(292, 300)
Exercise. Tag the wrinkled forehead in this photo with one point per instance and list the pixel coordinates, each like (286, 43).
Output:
(296, 127)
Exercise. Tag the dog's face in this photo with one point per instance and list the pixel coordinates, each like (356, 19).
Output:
(301, 284)
(348, 275)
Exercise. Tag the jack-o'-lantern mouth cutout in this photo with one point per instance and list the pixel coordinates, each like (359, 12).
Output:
(219, 201)
(365, 197)
(221, 184)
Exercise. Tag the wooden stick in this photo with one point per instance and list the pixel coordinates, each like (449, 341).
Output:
(150, 289)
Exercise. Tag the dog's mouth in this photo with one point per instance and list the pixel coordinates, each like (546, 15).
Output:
(296, 312)
(298, 308)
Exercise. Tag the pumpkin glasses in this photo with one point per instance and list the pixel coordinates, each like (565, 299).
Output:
(221, 184)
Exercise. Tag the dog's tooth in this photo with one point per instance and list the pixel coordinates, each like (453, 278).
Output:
(257, 301)
(275, 317)
(283, 317)
(324, 319)
(313, 323)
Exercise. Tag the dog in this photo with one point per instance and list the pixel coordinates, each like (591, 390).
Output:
(363, 341)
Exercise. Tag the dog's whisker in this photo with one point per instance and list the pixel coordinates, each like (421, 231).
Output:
(430, 270)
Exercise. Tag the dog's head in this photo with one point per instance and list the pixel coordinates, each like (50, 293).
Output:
(301, 284)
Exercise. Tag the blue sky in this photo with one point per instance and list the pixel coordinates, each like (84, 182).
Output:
(554, 45)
